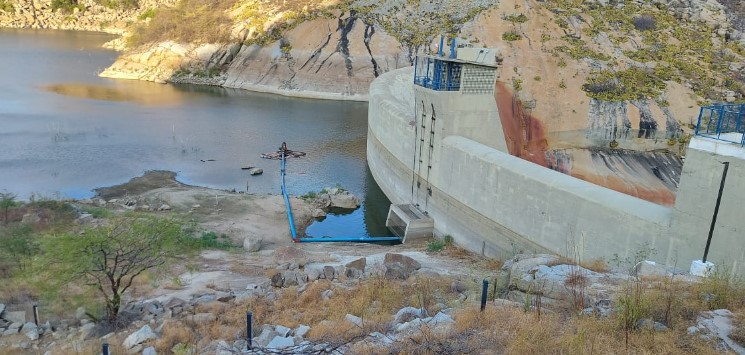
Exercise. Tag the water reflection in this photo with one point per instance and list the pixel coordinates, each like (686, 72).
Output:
(149, 95)
(65, 131)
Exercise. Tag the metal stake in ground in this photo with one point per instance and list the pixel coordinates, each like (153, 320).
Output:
(484, 291)
(249, 329)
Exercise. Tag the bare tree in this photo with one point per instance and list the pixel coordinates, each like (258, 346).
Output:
(109, 258)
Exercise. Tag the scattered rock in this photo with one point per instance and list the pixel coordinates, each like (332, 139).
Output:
(344, 200)
(31, 331)
(164, 207)
(650, 268)
(650, 324)
(399, 266)
(301, 330)
(30, 218)
(139, 337)
(281, 342)
(329, 272)
(267, 334)
(290, 254)
(149, 351)
(2, 309)
(326, 295)
(202, 317)
(354, 320)
(252, 244)
(15, 316)
(356, 269)
(86, 330)
(255, 171)
(458, 287)
(282, 330)
(407, 314)
(313, 272)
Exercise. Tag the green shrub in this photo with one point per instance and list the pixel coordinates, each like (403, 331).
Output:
(149, 13)
(97, 212)
(208, 240)
(17, 246)
(511, 36)
(67, 5)
(516, 18)
(119, 4)
(7, 6)
(438, 245)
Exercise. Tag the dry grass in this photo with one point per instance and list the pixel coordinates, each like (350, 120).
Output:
(203, 21)
(738, 328)
(512, 331)
(374, 300)
(597, 265)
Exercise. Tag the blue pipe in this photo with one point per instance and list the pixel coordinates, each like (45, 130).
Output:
(295, 238)
(287, 202)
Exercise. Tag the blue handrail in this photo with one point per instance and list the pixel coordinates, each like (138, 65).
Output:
(293, 231)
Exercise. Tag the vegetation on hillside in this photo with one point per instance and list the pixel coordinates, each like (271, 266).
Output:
(7, 6)
(51, 259)
(657, 47)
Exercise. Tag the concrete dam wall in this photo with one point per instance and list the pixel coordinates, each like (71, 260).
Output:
(446, 153)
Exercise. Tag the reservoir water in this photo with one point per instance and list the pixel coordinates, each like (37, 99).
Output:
(65, 131)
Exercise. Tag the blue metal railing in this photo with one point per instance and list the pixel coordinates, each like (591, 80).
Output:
(722, 122)
(297, 239)
(437, 74)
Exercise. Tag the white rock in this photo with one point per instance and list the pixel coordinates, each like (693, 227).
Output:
(164, 207)
(650, 268)
(407, 314)
(282, 330)
(80, 313)
(302, 330)
(139, 337)
(700, 268)
(149, 351)
(86, 330)
(252, 244)
(354, 319)
(15, 317)
(267, 334)
(2, 309)
(31, 331)
(281, 342)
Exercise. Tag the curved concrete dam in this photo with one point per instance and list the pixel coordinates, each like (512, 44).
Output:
(446, 153)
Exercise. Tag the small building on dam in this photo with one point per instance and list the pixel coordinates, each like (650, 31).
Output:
(448, 137)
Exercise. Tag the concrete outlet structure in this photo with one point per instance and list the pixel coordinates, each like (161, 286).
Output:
(436, 141)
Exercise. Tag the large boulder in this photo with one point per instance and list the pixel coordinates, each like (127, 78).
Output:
(290, 254)
(252, 244)
(399, 266)
(15, 316)
(31, 331)
(139, 337)
(356, 268)
(281, 342)
(329, 273)
(407, 314)
(344, 200)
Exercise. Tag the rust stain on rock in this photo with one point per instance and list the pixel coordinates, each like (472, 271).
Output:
(633, 173)
(524, 134)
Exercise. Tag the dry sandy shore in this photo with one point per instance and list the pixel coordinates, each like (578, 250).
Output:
(241, 216)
